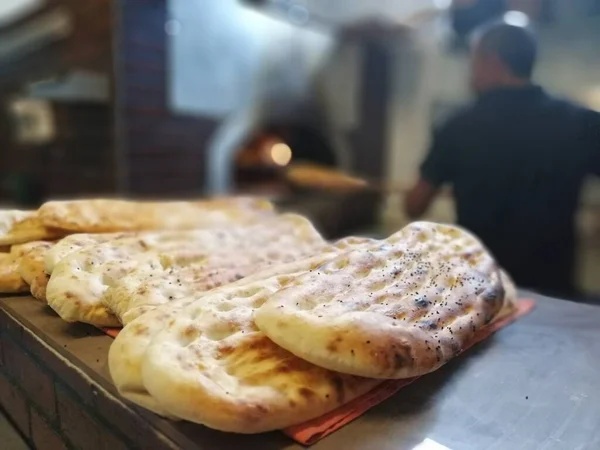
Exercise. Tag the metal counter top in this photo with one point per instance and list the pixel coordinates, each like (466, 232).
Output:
(533, 385)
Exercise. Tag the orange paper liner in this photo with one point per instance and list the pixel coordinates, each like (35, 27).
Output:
(314, 430)
(112, 332)
(308, 433)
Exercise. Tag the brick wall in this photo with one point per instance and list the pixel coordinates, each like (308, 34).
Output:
(88, 47)
(81, 159)
(163, 154)
(55, 407)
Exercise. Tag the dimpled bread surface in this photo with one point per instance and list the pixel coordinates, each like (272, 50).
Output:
(19, 227)
(231, 254)
(399, 309)
(79, 283)
(80, 279)
(74, 243)
(212, 366)
(128, 349)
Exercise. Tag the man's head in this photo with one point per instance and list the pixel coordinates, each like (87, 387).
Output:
(503, 55)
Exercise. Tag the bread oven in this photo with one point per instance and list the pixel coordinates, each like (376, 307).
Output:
(261, 166)
(325, 99)
(56, 111)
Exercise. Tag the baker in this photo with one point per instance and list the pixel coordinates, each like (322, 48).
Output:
(516, 160)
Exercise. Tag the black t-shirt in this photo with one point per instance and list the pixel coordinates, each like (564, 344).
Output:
(516, 160)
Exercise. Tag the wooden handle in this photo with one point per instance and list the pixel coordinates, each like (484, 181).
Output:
(313, 176)
(328, 179)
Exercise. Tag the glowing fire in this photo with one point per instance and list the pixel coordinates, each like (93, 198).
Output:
(280, 154)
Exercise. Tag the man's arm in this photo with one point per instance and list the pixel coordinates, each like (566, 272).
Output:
(419, 198)
(437, 169)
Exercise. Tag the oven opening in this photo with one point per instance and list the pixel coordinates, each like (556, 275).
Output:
(260, 166)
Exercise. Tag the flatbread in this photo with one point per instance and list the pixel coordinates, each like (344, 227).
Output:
(239, 253)
(76, 242)
(399, 309)
(140, 292)
(79, 281)
(8, 218)
(10, 280)
(212, 366)
(31, 257)
(127, 352)
(108, 216)
(17, 227)
(136, 293)
(32, 269)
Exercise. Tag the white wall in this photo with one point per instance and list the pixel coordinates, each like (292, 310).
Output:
(12, 10)
(233, 63)
(230, 61)
(226, 55)
(348, 11)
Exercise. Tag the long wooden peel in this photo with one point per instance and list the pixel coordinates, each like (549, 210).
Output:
(313, 176)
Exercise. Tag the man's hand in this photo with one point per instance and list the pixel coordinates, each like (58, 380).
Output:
(419, 199)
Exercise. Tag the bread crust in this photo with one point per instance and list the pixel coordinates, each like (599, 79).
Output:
(109, 216)
(10, 280)
(19, 227)
(400, 309)
(80, 286)
(127, 352)
(32, 268)
(209, 364)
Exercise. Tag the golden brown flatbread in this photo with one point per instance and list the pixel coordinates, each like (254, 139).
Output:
(219, 370)
(17, 227)
(10, 279)
(237, 253)
(8, 218)
(78, 287)
(32, 269)
(399, 309)
(108, 216)
(76, 242)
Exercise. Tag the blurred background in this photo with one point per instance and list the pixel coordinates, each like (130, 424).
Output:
(182, 98)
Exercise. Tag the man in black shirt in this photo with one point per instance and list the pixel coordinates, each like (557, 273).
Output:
(516, 160)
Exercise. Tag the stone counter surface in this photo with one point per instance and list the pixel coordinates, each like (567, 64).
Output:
(535, 384)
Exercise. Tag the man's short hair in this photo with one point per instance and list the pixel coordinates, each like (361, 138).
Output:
(516, 46)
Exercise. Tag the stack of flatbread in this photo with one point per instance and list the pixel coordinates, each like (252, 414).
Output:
(102, 284)
(245, 320)
(300, 336)
(27, 236)
(19, 232)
